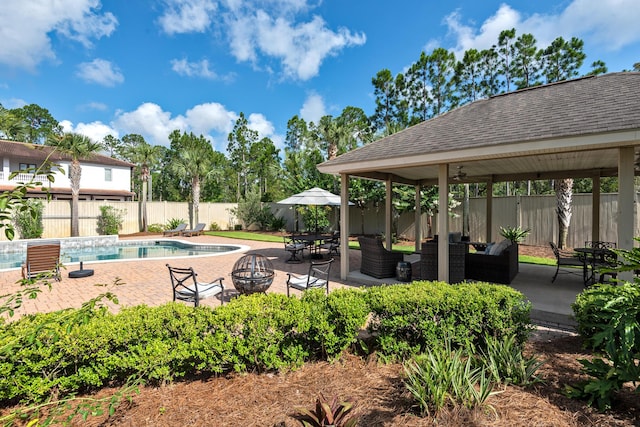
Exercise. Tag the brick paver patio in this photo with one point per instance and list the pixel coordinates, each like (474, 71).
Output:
(147, 281)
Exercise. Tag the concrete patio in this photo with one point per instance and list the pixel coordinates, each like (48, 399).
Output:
(147, 281)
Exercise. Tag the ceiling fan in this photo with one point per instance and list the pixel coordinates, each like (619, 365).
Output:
(459, 175)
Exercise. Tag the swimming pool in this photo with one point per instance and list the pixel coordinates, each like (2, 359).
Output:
(129, 250)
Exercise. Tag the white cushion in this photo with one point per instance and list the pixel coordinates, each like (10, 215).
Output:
(498, 248)
(205, 290)
(300, 282)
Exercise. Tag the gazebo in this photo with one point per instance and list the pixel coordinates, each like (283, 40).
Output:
(583, 128)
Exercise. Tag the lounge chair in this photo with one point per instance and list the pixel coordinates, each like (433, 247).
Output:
(175, 231)
(186, 287)
(196, 231)
(43, 260)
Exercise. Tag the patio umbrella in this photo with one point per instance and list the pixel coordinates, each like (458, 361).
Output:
(313, 197)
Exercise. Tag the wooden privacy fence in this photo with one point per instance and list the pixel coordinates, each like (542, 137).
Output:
(535, 212)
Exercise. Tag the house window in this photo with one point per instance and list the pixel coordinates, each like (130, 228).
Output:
(107, 174)
(25, 166)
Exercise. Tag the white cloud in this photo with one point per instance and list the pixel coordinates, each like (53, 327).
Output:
(101, 72)
(313, 108)
(609, 23)
(197, 69)
(301, 47)
(94, 130)
(187, 16)
(27, 27)
(259, 123)
(12, 103)
(150, 121)
(204, 118)
(98, 106)
(263, 30)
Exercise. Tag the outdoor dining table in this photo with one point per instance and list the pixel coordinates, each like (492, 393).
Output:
(591, 259)
(314, 240)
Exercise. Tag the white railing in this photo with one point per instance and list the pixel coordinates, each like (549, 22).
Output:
(23, 177)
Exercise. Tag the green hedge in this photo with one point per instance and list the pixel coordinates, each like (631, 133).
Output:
(49, 353)
(409, 319)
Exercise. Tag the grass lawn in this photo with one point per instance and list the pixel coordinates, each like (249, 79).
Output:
(407, 249)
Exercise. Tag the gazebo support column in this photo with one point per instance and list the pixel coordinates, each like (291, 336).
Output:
(418, 220)
(595, 208)
(443, 223)
(626, 201)
(489, 211)
(388, 213)
(344, 226)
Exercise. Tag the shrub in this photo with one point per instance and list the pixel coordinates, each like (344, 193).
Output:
(251, 211)
(337, 413)
(608, 319)
(155, 228)
(28, 219)
(409, 319)
(505, 362)
(277, 223)
(110, 220)
(311, 214)
(214, 226)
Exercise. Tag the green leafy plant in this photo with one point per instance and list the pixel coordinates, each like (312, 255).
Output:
(506, 363)
(28, 219)
(110, 220)
(515, 234)
(608, 318)
(336, 413)
(174, 223)
(214, 226)
(445, 377)
(155, 228)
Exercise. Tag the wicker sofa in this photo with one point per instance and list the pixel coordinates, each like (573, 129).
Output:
(376, 260)
(493, 268)
(429, 261)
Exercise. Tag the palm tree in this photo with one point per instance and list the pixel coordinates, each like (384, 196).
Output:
(145, 156)
(12, 127)
(77, 147)
(193, 160)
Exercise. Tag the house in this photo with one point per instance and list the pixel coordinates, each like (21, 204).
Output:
(583, 128)
(103, 177)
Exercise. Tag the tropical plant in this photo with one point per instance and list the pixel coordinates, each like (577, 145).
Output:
(28, 219)
(335, 413)
(514, 233)
(174, 223)
(77, 147)
(505, 362)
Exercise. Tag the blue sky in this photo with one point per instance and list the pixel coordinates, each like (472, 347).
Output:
(152, 66)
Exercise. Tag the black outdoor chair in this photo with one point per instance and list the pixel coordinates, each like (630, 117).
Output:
(317, 277)
(565, 261)
(186, 287)
(332, 245)
(295, 248)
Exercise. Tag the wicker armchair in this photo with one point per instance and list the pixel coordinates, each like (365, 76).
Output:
(376, 260)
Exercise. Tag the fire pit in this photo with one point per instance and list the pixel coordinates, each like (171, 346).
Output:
(252, 273)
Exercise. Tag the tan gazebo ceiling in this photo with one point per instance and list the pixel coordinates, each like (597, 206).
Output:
(567, 129)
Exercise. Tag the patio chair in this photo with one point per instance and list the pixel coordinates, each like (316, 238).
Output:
(332, 245)
(175, 231)
(294, 247)
(196, 231)
(565, 261)
(43, 260)
(377, 261)
(186, 286)
(317, 277)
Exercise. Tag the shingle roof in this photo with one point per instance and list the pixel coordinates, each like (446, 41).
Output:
(40, 152)
(585, 106)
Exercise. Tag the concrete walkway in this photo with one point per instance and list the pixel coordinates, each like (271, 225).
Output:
(147, 281)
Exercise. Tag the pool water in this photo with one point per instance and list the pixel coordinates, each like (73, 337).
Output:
(126, 250)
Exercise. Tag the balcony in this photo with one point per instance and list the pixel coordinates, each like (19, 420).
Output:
(23, 177)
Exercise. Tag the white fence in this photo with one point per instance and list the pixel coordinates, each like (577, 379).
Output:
(534, 212)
